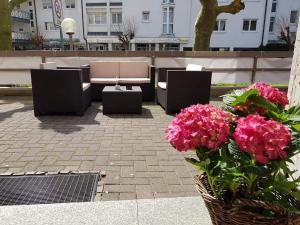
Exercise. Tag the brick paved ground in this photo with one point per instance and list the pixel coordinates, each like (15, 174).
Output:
(132, 149)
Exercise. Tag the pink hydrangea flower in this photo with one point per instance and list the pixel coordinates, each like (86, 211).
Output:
(265, 139)
(199, 125)
(271, 93)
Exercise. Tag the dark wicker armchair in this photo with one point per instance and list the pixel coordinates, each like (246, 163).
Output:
(178, 88)
(59, 91)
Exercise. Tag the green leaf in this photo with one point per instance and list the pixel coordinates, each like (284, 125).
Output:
(294, 110)
(293, 117)
(236, 152)
(263, 103)
(241, 100)
(296, 195)
(191, 160)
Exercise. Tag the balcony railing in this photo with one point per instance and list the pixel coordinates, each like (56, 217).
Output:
(20, 36)
(19, 15)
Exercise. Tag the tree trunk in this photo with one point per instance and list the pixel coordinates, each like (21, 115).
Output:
(206, 20)
(205, 24)
(5, 22)
(5, 26)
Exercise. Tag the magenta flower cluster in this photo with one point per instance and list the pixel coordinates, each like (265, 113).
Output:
(264, 139)
(199, 126)
(270, 93)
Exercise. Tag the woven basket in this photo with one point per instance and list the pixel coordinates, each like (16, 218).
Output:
(236, 214)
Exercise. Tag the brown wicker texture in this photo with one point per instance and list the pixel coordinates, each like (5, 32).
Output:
(236, 214)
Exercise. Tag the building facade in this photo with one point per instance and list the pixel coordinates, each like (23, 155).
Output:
(160, 25)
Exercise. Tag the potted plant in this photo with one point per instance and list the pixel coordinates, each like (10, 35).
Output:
(245, 152)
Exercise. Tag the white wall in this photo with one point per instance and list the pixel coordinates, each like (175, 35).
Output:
(45, 15)
(186, 12)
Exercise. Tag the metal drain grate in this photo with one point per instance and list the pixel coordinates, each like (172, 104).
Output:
(46, 189)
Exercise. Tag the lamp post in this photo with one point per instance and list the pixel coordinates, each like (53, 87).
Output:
(69, 26)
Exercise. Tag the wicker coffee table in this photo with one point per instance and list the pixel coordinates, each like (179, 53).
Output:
(125, 100)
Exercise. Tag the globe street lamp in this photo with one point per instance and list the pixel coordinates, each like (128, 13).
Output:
(69, 26)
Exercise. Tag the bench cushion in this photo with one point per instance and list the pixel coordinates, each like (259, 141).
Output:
(134, 80)
(162, 85)
(85, 86)
(100, 69)
(104, 80)
(194, 67)
(134, 69)
(48, 66)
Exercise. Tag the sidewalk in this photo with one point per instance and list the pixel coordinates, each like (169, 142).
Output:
(163, 211)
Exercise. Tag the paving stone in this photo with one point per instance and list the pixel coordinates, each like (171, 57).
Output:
(100, 189)
(6, 174)
(110, 197)
(119, 188)
(19, 174)
(128, 196)
(134, 181)
(182, 188)
(133, 151)
(127, 171)
(140, 166)
(145, 195)
(111, 178)
(158, 185)
(171, 178)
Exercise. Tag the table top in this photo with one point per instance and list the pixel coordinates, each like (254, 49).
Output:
(122, 89)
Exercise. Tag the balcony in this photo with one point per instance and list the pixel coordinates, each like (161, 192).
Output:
(20, 16)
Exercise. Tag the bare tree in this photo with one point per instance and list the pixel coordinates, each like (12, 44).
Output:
(37, 40)
(206, 20)
(126, 32)
(283, 32)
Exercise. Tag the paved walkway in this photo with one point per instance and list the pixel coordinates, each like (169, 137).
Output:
(164, 211)
(132, 149)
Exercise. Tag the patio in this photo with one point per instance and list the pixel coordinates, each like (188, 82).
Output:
(139, 163)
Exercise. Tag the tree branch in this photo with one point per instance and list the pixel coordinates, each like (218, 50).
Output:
(234, 7)
(14, 3)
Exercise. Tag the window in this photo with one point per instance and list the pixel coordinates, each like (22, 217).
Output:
(168, 20)
(169, 47)
(294, 17)
(31, 14)
(30, 3)
(272, 22)
(146, 16)
(31, 23)
(274, 6)
(70, 4)
(145, 47)
(46, 4)
(116, 17)
(220, 25)
(97, 18)
(249, 25)
(49, 26)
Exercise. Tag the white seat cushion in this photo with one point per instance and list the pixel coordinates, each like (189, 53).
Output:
(85, 86)
(48, 66)
(104, 80)
(162, 85)
(100, 69)
(134, 69)
(194, 67)
(134, 80)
